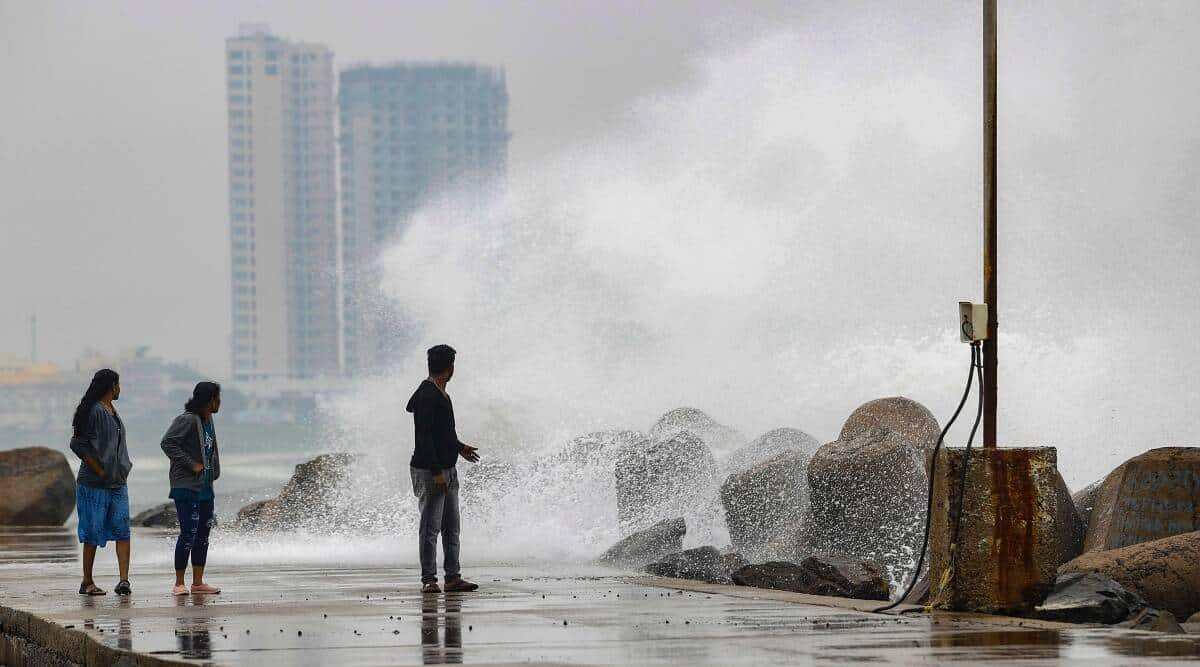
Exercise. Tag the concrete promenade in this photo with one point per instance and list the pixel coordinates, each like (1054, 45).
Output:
(524, 614)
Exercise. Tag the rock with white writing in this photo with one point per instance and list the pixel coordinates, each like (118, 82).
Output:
(1151, 496)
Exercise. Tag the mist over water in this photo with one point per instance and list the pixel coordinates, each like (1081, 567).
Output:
(776, 245)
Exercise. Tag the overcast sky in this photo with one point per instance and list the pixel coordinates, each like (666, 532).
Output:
(113, 161)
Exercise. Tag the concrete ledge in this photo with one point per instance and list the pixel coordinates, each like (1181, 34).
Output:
(29, 639)
(850, 604)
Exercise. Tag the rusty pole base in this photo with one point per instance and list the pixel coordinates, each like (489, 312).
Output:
(1008, 540)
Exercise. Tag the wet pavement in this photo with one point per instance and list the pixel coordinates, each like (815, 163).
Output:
(523, 614)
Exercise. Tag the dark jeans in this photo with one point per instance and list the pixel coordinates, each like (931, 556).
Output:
(195, 523)
(439, 514)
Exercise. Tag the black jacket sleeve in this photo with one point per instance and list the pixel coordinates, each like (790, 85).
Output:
(424, 419)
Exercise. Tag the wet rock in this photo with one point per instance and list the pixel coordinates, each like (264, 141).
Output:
(1091, 597)
(867, 489)
(767, 446)
(702, 564)
(1150, 496)
(478, 482)
(1165, 573)
(1084, 500)
(38, 487)
(732, 560)
(766, 506)
(1071, 527)
(309, 499)
(600, 448)
(1192, 624)
(717, 436)
(814, 575)
(161, 516)
(647, 546)
(1154, 620)
(663, 478)
(258, 514)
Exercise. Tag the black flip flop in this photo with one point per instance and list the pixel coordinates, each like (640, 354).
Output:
(92, 589)
(123, 588)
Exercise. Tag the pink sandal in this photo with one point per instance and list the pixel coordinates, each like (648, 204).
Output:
(205, 588)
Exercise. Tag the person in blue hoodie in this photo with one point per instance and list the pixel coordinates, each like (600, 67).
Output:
(434, 477)
(101, 496)
(191, 444)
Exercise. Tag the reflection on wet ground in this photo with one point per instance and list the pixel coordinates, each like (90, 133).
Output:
(566, 614)
(37, 545)
(447, 619)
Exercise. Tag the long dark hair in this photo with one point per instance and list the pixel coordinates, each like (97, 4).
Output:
(104, 380)
(201, 395)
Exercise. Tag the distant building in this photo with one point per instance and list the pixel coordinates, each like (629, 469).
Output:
(408, 132)
(282, 207)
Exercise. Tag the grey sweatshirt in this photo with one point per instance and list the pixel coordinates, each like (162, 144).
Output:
(103, 440)
(182, 444)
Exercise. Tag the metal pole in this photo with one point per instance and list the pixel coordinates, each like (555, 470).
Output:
(989, 221)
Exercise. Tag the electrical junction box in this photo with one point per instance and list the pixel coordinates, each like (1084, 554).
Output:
(972, 321)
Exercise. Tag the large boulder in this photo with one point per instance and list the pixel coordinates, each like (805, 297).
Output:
(38, 487)
(1165, 573)
(767, 446)
(814, 575)
(309, 499)
(664, 478)
(1154, 620)
(647, 546)
(1150, 496)
(1089, 597)
(260, 514)
(717, 436)
(159, 516)
(1084, 500)
(868, 488)
(767, 505)
(1071, 527)
(701, 564)
(600, 448)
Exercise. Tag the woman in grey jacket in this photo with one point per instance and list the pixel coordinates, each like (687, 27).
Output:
(101, 497)
(191, 444)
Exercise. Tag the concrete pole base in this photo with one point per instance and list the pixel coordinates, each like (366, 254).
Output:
(1008, 539)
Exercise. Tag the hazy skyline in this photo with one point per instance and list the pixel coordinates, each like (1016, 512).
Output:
(114, 172)
(113, 157)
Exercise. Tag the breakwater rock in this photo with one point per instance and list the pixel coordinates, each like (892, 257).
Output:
(868, 488)
(38, 487)
(1165, 572)
(815, 575)
(647, 546)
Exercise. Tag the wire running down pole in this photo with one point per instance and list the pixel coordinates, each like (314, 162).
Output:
(989, 221)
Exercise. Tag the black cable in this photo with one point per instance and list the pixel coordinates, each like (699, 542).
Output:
(977, 362)
(932, 476)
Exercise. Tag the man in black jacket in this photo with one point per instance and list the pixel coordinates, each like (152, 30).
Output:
(434, 478)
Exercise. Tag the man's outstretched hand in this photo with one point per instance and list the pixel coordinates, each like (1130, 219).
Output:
(470, 453)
